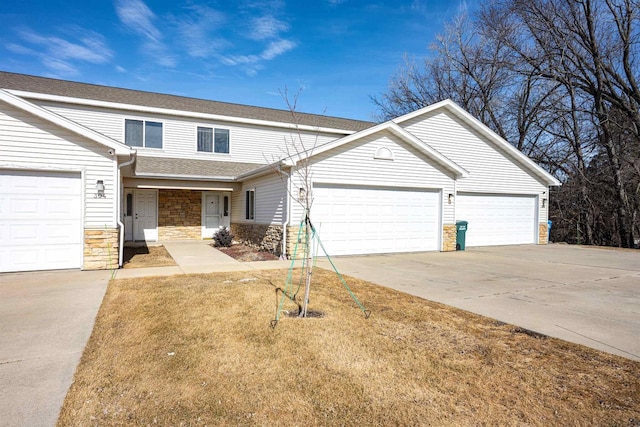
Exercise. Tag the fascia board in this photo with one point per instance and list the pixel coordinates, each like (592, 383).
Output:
(178, 113)
(63, 122)
(485, 131)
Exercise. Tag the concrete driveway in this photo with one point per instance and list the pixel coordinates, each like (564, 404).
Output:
(46, 319)
(586, 295)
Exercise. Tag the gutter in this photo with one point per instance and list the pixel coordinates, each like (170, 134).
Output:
(120, 189)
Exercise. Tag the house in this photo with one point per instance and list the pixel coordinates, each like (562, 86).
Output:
(84, 169)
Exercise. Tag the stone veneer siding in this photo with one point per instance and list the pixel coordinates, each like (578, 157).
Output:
(543, 233)
(292, 238)
(100, 249)
(266, 237)
(449, 236)
(179, 214)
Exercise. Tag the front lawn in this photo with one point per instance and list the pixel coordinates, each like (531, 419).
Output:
(198, 350)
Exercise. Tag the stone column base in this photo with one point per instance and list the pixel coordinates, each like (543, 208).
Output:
(543, 233)
(449, 236)
(100, 249)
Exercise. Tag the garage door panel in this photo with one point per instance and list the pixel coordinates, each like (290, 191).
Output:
(361, 220)
(40, 220)
(498, 219)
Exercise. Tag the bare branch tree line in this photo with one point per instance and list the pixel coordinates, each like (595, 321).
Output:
(558, 79)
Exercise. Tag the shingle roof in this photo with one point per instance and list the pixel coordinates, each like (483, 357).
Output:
(151, 166)
(50, 86)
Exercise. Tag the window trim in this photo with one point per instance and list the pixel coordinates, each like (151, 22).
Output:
(144, 132)
(250, 204)
(213, 140)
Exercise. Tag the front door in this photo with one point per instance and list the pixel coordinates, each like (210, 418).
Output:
(211, 215)
(145, 215)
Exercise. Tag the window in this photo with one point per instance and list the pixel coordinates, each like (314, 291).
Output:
(225, 205)
(141, 133)
(250, 205)
(129, 207)
(213, 140)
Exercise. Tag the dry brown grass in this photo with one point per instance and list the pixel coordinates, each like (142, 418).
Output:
(146, 256)
(198, 350)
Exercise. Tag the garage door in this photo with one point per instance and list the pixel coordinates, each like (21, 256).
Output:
(364, 220)
(498, 219)
(40, 221)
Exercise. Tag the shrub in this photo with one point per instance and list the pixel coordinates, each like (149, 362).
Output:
(223, 237)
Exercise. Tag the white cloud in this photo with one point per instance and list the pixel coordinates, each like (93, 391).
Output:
(266, 27)
(90, 48)
(138, 17)
(277, 48)
(59, 67)
(197, 28)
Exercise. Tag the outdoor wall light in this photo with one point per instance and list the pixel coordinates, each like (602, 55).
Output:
(302, 194)
(544, 203)
(450, 198)
(100, 189)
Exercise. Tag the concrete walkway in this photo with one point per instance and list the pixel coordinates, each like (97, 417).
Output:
(46, 319)
(197, 256)
(585, 295)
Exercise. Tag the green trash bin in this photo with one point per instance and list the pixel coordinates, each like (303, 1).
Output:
(461, 234)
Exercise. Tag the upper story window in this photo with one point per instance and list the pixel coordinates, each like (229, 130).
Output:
(212, 140)
(142, 133)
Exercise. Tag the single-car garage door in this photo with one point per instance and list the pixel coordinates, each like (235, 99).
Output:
(365, 220)
(498, 219)
(40, 220)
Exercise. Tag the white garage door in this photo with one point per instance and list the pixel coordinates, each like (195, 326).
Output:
(40, 221)
(498, 220)
(359, 220)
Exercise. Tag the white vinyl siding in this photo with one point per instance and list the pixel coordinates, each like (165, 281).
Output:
(270, 200)
(490, 169)
(250, 144)
(30, 143)
(355, 164)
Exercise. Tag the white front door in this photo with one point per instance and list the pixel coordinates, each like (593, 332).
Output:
(145, 215)
(211, 216)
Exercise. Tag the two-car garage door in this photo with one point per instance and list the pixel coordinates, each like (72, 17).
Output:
(364, 220)
(40, 220)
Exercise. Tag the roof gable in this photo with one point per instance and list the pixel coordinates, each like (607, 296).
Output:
(397, 131)
(483, 130)
(17, 102)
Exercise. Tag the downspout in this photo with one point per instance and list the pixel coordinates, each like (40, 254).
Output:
(285, 220)
(120, 224)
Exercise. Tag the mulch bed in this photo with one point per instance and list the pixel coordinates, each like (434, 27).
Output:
(246, 253)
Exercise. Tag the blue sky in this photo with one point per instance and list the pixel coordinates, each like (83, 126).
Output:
(339, 52)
